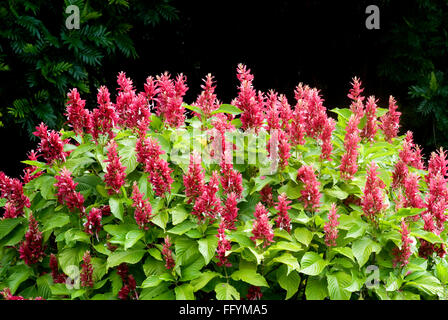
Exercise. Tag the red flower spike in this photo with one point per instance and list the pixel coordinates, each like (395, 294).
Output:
(93, 223)
(310, 193)
(402, 254)
(86, 271)
(142, 213)
(208, 205)
(194, 179)
(373, 197)
(390, 122)
(349, 160)
(370, 128)
(66, 193)
(330, 228)
(355, 92)
(11, 189)
(78, 117)
(223, 246)
(229, 212)
(31, 249)
(261, 228)
(50, 146)
(283, 221)
(115, 172)
(168, 254)
(254, 293)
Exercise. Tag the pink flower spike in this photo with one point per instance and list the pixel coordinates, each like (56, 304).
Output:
(115, 172)
(78, 117)
(390, 122)
(310, 192)
(66, 191)
(142, 213)
(330, 228)
(86, 271)
(402, 254)
(31, 249)
(373, 197)
(283, 221)
(93, 223)
(261, 228)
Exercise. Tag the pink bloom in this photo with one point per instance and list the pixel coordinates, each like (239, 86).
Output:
(427, 249)
(390, 122)
(170, 99)
(254, 293)
(310, 192)
(400, 173)
(51, 146)
(437, 164)
(93, 223)
(283, 221)
(279, 145)
(12, 190)
(355, 92)
(357, 108)
(128, 290)
(248, 101)
(66, 192)
(285, 112)
(297, 128)
(349, 160)
(57, 277)
(436, 204)
(413, 196)
(231, 180)
(261, 228)
(194, 179)
(208, 205)
(272, 111)
(371, 127)
(116, 172)
(142, 213)
(207, 100)
(31, 173)
(266, 196)
(223, 246)
(410, 154)
(167, 254)
(151, 88)
(105, 118)
(330, 228)
(325, 136)
(313, 111)
(137, 111)
(230, 211)
(86, 271)
(31, 249)
(373, 197)
(78, 117)
(160, 177)
(403, 254)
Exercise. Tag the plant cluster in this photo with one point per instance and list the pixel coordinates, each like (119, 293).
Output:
(257, 199)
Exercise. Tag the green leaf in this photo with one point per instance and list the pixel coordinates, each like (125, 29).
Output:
(288, 281)
(127, 153)
(56, 220)
(74, 235)
(184, 292)
(225, 291)
(291, 189)
(20, 274)
(132, 237)
(203, 279)
(312, 264)
(345, 251)
(116, 207)
(405, 212)
(303, 235)
(178, 214)
(194, 108)
(337, 193)
(161, 219)
(207, 247)
(426, 284)
(70, 257)
(227, 108)
(129, 256)
(185, 249)
(336, 283)
(427, 235)
(362, 249)
(151, 281)
(289, 260)
(251, 277)
(442, 271)
(316, 288)
(7, 225)
(183, 227)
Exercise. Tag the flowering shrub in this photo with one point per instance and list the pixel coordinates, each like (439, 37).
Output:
(150, 198)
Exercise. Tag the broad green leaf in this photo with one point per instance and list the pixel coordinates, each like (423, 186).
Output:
(203, 279)
(207, 247)
(288, 281)
(426, 284)
(183, 227)
(161, 219)
(442, 271)
(132, 237)
(363, 248)
(303, 235)
(289, 260)
(178, 214)
(427, 235)
(74, 235)
(7, 225)
(55, 220)
(227, 108)
(185, 249)
(129, 256)
(20, 274)
(251, 277)
(225, 291)
(116, 207)
(184, 292)
(151, 281)
(316, 288)
(69, 258)
(336, 283)
(312, 264)
(337, 193)
(291, 189)
(345, 251)
(127, 154)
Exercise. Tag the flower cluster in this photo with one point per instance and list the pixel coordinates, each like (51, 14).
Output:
(261, 228)
(208, 204)
(105, 117)
(370, 127)
(373, 198)
(330, 228)
(254, 293)
(78, 117)
(266, 196)
(229, 212)
(356, 91)
(31, 250)
(248, 101)
(231, 180)
(11, 189)
(66, 192)
(31, 172)
(223, 246)
(325, 137)
(7, 295)
(310, 192)
(194, 179)
(207, 100)
(168, 254)
(142, 213)
(86, 271)
(128, 290)
(390, 122)
(349, 160)
(93, 223)
(283, 220)
(116, 172)
(403, 254)
(57, 277)
(51, 145)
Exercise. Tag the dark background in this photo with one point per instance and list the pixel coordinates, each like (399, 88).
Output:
(320, 43)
